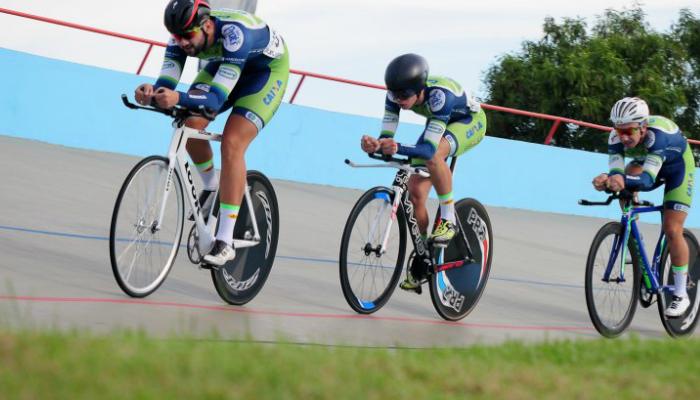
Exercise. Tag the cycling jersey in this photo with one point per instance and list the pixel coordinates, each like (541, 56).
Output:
(446, 103)
(246, 54)
(666, 159)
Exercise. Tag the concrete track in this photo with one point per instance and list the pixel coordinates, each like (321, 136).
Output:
(55, 269)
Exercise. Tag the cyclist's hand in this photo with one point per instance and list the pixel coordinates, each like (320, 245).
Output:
(166, 98)
(599, 182)
(616, 183)
(389, 146)
(369, 144)
(143, 94)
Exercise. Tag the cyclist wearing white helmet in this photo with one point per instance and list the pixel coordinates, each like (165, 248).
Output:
(664, 157)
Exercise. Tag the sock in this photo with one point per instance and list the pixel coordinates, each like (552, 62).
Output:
(680, 278)
(447, 207)
(208, 175)
(227, 220)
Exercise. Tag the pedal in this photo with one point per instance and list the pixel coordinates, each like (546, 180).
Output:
(209, 267)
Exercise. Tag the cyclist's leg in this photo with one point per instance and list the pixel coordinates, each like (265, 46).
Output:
(255, 100)
(200, 150)
(418, 189)
(460, 137)
(677, 199)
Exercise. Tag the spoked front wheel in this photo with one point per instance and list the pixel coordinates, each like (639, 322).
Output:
(611, 302)
(369, 271)
(142, 249)
(685, 325)
(456, 289)
(239, 280)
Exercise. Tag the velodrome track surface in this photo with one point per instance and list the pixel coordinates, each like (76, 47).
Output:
(56, 206)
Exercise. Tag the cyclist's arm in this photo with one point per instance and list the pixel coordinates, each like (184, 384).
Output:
(173, 64)
(391, 118)
(428, 142)
(235, 53)
(440, 103)
(645, 181)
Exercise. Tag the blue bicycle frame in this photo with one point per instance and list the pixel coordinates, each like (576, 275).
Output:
(629, 223)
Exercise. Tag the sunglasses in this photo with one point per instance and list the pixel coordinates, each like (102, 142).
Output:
(627, 131)
(188, 35)
(402, 94)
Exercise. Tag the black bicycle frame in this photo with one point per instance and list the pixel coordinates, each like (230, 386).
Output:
(422, 250)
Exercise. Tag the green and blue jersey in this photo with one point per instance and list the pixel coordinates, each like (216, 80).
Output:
(445, 102)
(242, 41)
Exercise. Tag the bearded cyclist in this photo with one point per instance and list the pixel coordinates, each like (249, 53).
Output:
(666, 159)
(246, 70)
(455, 123)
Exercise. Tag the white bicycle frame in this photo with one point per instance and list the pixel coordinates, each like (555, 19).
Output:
(398, 190)
(177, 157)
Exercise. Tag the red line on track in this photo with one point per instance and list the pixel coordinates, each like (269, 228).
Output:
(242, 310)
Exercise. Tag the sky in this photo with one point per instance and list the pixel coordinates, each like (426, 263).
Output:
(349, 39)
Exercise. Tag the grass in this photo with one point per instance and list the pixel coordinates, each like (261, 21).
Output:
(75, 365)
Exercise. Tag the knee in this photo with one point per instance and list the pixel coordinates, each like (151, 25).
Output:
(417, 196)
(232, 148)
(673, 231)
(432, 163)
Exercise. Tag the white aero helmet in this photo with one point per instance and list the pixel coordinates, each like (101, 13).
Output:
(629, 109)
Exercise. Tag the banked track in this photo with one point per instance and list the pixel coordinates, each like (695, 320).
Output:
(56, 205)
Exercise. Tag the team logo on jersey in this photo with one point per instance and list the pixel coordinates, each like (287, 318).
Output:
(436, 100)
(253, 117)
(681, 207)
(228, 73)
(203, 87)
(233, 38)
(650, 139)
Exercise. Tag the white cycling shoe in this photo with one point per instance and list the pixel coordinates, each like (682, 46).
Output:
(220, 254)
(678, 307)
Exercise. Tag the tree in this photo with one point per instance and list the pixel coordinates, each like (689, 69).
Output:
(579, 73)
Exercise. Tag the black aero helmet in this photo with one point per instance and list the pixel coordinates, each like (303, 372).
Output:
(183, 15)
(406, 75)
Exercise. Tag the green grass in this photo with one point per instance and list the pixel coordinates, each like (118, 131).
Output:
(47, 365)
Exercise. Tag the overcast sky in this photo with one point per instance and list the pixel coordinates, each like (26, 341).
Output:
(350, 39)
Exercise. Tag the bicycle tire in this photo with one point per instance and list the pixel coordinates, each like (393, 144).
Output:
(685, 325)
(354, 260)
(238, 281)
(455, 292)
(613, 326)
(143, 219)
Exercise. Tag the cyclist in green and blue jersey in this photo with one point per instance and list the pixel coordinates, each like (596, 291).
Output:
(662, 156)
(246, 70)
(455, 123)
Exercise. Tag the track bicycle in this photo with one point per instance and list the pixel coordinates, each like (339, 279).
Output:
(615, 281)
(373, 248)
(149, 215)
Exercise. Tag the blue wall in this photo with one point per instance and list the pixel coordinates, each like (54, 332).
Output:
(80, 106)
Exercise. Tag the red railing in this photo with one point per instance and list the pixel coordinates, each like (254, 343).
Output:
(557, 120)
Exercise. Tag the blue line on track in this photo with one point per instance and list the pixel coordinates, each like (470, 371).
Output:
(316, 260)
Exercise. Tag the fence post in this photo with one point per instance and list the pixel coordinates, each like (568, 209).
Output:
(552, 131)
